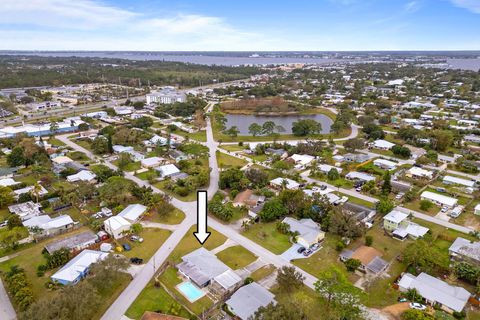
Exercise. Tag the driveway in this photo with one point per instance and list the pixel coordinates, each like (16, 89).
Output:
(292, 254)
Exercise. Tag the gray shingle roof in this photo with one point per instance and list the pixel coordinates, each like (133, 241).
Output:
(248, 299)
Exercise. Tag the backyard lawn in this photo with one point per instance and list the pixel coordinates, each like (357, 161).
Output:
(175, 216)
(156, 300)
(233, 147)
(236, 257)
(153, 238)
(132, 166)
(192, 196)
(226, 161)
(170, 280)
(263, 272)
(266, 235)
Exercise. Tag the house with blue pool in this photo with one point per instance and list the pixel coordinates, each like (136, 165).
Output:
(77, 268)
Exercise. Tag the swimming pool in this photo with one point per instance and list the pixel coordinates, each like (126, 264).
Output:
(190, 291)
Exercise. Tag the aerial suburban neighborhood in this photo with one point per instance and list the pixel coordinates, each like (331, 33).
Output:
(232, 184)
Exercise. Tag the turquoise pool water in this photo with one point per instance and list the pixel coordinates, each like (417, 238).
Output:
(190, 291)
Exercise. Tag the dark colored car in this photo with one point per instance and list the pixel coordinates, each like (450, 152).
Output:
(126, 247)
(301, 249)
(136, 260)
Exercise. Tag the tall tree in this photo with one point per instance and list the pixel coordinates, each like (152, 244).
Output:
(255, 129)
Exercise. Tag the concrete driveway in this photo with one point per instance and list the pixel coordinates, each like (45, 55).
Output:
(292, 254)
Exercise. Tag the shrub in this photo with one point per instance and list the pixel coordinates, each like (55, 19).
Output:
(352, 264)
(425, 205)
(340, 245)
(368, 241)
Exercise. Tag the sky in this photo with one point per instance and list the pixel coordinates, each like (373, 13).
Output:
(240, 25)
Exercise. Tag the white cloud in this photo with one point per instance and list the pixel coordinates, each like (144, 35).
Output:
(471, 5)
(91, 25)
(412, 6)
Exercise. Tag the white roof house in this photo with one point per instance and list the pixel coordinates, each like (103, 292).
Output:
(83, 175)
(302, 159)
(119, 148)
(151, 162)
(308, 230)
(167, 170)
(48, 224)
(385, 164)
(383, 144)
(459, 181)
(77, 268)
(41, 192)
(62, 160)
(116, 226)
(436, 291)
(248, 299)
(133, 212)
(8, 182)
(396, 216)
(354, 175)
(25, 210)
(464, 249)
(416, 172)
(439, 199)
(325, 168)
(290, 184)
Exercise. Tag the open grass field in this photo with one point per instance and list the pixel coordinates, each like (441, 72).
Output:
(236, 257)
(226, 161)
(175, 216)
(266, 235)
(153, 238)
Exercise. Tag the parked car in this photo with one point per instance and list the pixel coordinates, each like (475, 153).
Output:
(314, 246)
(402, 299)
(418, 306)
(444, 209)
(399, 196)
(136, 238)
(126, 247)
(307, 252)
(358, 189)
(301, 249)
(136, 260)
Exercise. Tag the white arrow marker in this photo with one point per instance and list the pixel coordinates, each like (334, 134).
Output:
(201, 234)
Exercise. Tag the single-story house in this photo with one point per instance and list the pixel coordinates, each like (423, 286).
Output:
(25, 210)
(309, 231)
(178, 155)
(369, 257)
(119, 148)
(415, 152)
(167, 170)
(465, 250)
(325, 168)
(477, 209)
(279, 183)
(356, 157)
(201, 267)
(382, 144)
(302, 160)
(253, 212)
(155, 141)
(61, 160)
(49, 226)
(73, 243)
(135, 155)
(83, 175)
(419, 173)
(398, 224)
(77, 268)
(248, 299)
(435, 291)
(117, 226)
(247, 198)
(133, 212)
(385, 164)
(41, 191)
(400, 186)
(354, 175)
(458, 181)
(152, 162)
(278, 152)
(439, 199)
(8, 182)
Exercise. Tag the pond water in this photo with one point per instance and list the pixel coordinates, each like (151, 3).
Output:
(243, 121)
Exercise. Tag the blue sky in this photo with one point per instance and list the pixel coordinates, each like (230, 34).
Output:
(245, 25)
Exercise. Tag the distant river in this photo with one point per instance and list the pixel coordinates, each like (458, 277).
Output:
(244, 121)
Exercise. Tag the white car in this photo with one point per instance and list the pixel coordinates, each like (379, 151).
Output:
(417, 306)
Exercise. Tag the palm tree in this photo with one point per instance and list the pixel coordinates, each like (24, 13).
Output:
(37, 188)
(284, 184)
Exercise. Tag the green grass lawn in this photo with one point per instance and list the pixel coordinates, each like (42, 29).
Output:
(340, 182)
(263, 272)
(54, 141)
(156, 300)
(236, 257)
(132, 166)
(233, 147)
(153, 238)
(227, 161)
(266, 235)
(192, 196)
(114, 290)
(176, 216)
(170, 279)
(189, 243)
(359, 201)
(194, 148)
(198, 136)
(415, 205)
